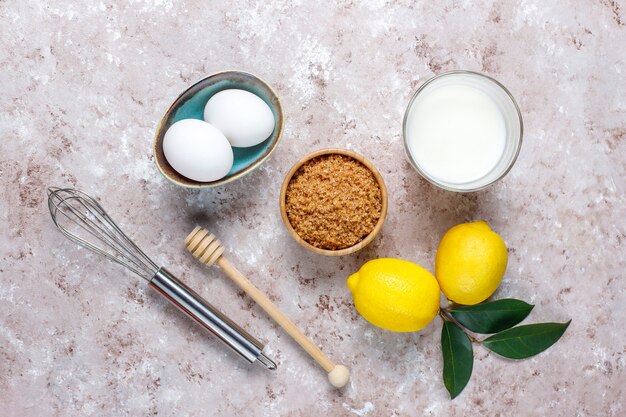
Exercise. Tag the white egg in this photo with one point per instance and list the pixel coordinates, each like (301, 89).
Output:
(244, 118)
(197, 150)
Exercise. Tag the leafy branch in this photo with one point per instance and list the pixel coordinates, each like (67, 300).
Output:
(497, 318)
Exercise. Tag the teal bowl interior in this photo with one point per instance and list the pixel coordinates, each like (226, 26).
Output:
(190, 105)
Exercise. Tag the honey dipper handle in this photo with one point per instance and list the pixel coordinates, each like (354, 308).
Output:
(337, 374)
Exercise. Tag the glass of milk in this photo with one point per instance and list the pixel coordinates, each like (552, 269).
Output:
(462, 131)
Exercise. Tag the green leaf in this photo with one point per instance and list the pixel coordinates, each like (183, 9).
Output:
(458, 358)
(492, 317)
(525, 341)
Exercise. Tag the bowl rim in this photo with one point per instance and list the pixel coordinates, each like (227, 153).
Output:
(384, 197)
(195, 184)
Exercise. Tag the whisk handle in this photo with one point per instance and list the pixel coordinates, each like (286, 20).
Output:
(194, 306)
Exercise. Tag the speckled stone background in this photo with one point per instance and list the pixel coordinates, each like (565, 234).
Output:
(83, 86)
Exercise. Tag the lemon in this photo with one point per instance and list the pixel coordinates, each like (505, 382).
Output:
(470, 262)
(394, 294)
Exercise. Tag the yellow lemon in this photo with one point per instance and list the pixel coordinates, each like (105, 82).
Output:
(470, 262)
(394, 294)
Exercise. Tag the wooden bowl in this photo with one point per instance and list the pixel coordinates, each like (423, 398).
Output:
(190, 105)
(356, 247)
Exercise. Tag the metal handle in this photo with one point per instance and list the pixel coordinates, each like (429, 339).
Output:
(194, 306)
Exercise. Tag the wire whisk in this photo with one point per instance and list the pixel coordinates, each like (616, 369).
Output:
(83, 220)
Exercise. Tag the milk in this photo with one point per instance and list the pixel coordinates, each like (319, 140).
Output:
(455, 132)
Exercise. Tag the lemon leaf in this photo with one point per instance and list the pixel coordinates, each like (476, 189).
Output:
(492, 317)
(525, 341)
(458, 358)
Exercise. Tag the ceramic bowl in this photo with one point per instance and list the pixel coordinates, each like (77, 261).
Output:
(190, 105)
(356, 247)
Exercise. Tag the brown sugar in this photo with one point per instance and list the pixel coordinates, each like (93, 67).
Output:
(333, 201)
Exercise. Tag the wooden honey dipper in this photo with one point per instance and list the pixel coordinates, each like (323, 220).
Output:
(209, 251)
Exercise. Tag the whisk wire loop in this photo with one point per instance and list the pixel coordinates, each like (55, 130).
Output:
(73, 208)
